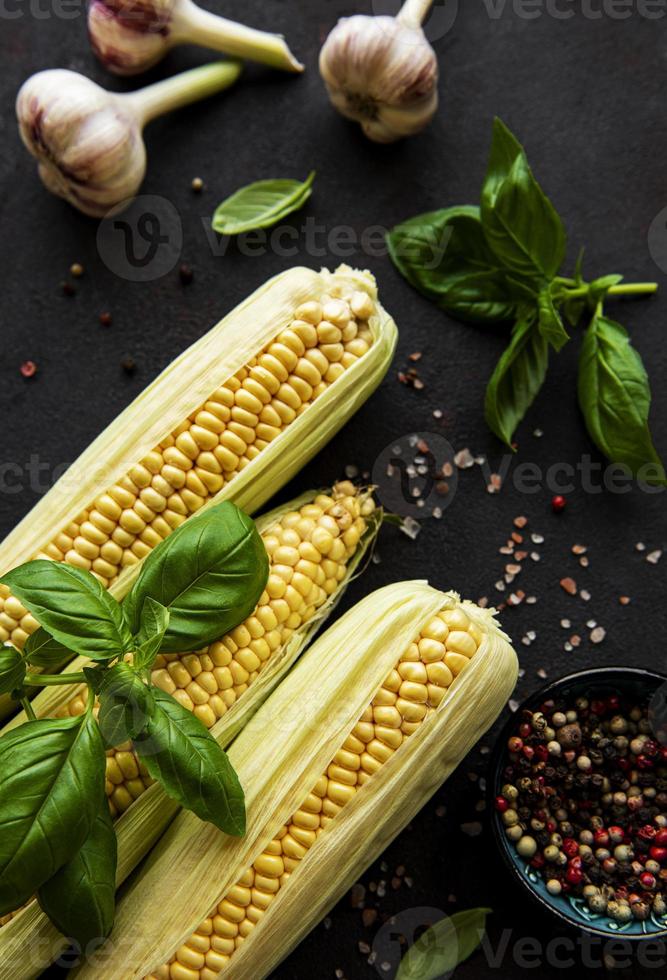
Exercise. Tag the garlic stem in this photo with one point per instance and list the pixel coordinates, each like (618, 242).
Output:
(192, 24)
(174, 93)
(413, 12)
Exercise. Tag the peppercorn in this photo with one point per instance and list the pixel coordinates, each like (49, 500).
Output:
(501, 804)
(105, 319)
(527, 847)
(554, 886)
(569, 736)
(558, 504)
(515, 744)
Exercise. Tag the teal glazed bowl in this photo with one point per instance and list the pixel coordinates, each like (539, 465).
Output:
(641, 687)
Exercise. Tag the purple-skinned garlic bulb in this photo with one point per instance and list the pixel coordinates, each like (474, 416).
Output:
(382, 72)
(130, 36)
(88, 142)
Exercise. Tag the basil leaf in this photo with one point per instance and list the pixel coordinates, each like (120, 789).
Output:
(615, 398)
(179, 752)
(209, 574)
(261, 205)
(12, 670)
(520, 223)
(80, 899)
(445, 256)
(41, 650)
(125, 705)
(550, 323)
(154, 623)
(518, 377)
(441, 948)
(72, 606)
(51, 787)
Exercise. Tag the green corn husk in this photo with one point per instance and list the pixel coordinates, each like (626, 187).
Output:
(29, 943)
(279, 756)
(186, 384)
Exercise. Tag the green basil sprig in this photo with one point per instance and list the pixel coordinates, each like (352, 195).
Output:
(441, 948)
(261, 205)
(500, 262)
(56, 837)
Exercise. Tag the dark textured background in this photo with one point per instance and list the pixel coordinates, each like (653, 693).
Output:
(586, 96)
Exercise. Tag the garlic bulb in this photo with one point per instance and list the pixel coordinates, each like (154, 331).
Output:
(129, 38)
(88, 141)
(382, 72)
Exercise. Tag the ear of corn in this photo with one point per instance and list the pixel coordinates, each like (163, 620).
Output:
(234, 417)
(347, 749)
(340, 527)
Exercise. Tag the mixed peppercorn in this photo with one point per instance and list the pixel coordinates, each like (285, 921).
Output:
(585, 803)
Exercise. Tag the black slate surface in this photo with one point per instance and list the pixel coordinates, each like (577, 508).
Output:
(586, 96)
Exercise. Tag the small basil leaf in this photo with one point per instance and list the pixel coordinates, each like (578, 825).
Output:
(51, 787)
(518, 377)
(550, 324)
(441, 948)
(80, 899)
(125, 705)
(12, 670)
(445, 256)
(520, 223)
(615, 398)
(209, 574)
(179, 752)
(598, 289)
(154, 624)
(261, 205)
(41, 650)
(72, 606)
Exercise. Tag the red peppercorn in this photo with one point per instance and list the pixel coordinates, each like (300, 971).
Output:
(552, 826)
(601, 838)
(105, 319)
(613, 703)
(571, 847)
(658, 853)
(643, 762)
(542, 753)
(598, 708)
(528, 752)
(647, 880)
(538, 861)
(651, 748)
(663, 753)
(502, 806)
(648, 832)
(624, 764)
(515, 744)
(558, 504)
(616, 834)
(525, 730)
(661, 837)
(574, 876)
(28, 369)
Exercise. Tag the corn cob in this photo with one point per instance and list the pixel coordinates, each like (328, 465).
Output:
(311, 548)
(332, 772)
(340, 526)
(232, 418)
